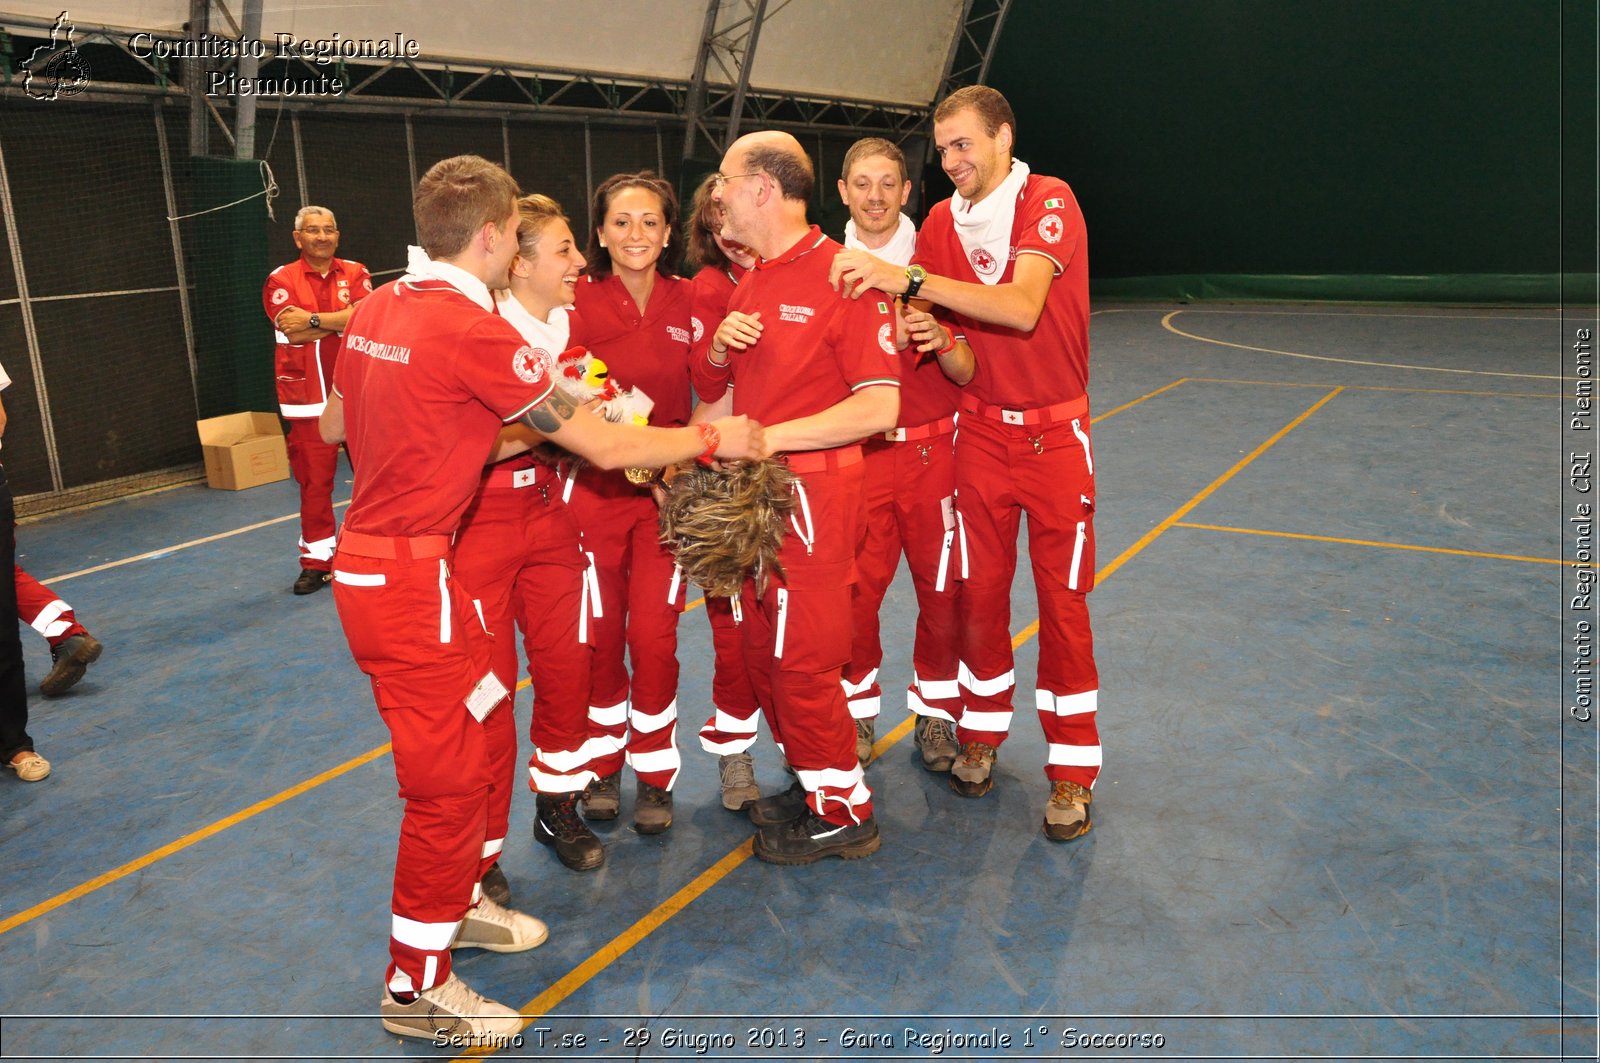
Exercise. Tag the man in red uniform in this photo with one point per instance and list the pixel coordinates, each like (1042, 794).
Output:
(309, 301)
(821, 372)
(910, 485)
(430, 375)
(1007, 257)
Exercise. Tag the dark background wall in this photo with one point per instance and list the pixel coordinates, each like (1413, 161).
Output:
(1414, 145)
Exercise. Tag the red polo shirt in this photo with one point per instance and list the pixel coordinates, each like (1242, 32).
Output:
(816, 348)
(648, 351)
(713, 286)
(428, 377)
(1049, 364)
(304, 370)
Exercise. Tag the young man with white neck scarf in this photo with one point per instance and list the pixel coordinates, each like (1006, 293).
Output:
(1006, 258)
(910, 487)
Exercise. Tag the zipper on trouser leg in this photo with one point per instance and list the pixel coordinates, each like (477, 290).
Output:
(1077, 555)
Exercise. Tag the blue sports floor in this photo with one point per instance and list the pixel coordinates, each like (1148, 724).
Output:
(1344, 812)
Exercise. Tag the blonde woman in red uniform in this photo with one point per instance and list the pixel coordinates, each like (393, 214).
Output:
(520, 555)
(731, 730)
(634, 312)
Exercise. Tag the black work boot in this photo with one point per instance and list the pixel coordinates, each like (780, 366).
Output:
(779, 808)
(809, 839)
(495, 885)
(652, 809)
(602, 799)
(557, 824)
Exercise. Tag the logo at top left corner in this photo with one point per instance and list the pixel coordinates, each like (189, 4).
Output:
(56, 69)
(528, 365)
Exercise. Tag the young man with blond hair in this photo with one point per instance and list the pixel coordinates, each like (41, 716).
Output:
(429, 376)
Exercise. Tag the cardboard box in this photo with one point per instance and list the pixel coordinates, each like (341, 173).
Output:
(243, 450)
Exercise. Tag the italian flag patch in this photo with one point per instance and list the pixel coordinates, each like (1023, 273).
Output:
(1052, 204)
(883, 308)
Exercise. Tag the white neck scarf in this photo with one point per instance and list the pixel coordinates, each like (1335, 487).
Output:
(548, 337)
(420, 267)
(984, 228)
(901, 246)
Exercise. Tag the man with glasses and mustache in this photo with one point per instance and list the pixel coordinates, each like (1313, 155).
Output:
(309, 300)
(821, 373)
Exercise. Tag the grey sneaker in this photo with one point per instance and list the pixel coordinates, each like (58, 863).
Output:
(737, 773)
(972, 774)
(865, 731)
(451, 1013)
(497, 929)
(652, 809)
(936, 738)
(1067, 815)
(602, 799)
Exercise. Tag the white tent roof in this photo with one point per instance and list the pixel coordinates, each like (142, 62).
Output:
(887, 51)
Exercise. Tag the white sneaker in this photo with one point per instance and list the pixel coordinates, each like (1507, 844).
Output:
(29, 766)
(498, 929)
(452, 1013)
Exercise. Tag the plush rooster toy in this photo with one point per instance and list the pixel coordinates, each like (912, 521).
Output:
(581, 373)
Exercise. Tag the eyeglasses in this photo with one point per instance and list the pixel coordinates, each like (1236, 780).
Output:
(721, 179)
(317, 230)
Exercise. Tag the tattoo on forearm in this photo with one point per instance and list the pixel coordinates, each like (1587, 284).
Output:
(548, 415)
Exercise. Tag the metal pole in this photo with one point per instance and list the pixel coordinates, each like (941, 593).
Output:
(244, 123)
(299, 161)
(194, 76)
(588, 164)
(29, 330)
(744, 74)
(696, 101)
(174, 229)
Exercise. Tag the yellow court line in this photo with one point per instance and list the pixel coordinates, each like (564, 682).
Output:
(618, 946)
(1386, 546)
(1178, 514)
(1166, 323)
(1183, 510)
(147, 555)
(1376, 387)
(116, 873)
(1135, 402)
(188, 839)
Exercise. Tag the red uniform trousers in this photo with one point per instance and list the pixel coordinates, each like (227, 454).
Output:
(413, 630)
(909, 489)
(1046, 470)
(40, 609)
(797, 644)
(731, 728)
(314, 464)
(519, 555)
(641, 597)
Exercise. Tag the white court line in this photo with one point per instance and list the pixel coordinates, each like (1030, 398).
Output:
(1167, 324)
(1374, 313)
(181, 546)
